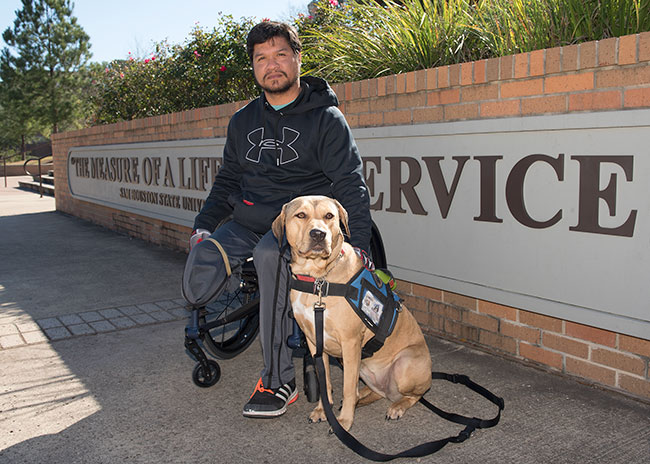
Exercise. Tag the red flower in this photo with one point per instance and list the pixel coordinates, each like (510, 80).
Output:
(197, 54)
(146, 60)
(222, 69)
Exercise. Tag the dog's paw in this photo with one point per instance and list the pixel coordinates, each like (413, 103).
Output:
(394, 413)
(317, 415)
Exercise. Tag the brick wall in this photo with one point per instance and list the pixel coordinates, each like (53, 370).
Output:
(612, 74)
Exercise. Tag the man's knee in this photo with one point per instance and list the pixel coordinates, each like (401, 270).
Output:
(266, 251)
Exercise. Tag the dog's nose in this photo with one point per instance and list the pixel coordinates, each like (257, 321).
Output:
(317, 235)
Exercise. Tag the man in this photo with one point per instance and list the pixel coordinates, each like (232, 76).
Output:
(290, 141)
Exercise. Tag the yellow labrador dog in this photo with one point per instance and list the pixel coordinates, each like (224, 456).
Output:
(401, 369)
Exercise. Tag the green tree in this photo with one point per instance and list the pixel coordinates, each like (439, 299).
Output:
(42, 65)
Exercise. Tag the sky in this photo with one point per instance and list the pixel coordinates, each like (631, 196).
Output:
(117, 27)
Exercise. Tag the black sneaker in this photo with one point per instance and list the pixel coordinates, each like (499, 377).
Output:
(265, 402)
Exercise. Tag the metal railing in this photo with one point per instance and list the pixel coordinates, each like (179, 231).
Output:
(4, 166)
(40, 174)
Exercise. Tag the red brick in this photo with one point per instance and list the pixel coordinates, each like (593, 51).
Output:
(553, 60)
(381, 86)
(565, 345)
(622, 362)
(480, 71)
(635, 98)
(365, 90)
(423, 115)
(400, 83)
(443, 77)
(592, 334)
(481, 321)
(520, 332)
(634, 345)
(454, 74)
(421, 80)
(427, 292)
(570, 58)
(416, 304)
(607, 52)
(569, 83)
(634, 385)
(466, 111)
(404, 287)
(627, 49)
(445, 311)
(357, 106)
(492, 69)
(397, 117)
(644, 46)
(432, 78)
(411, 100)
(626, 77)
(410, 82)
(371, 119)
(497, 310)
(449, 96)
(500, 108)
(506, 66)
(537, 62)
(591, 371)
(499, 342)
(540, 105)
(521, 65)
(522, 88)
(460, 300)
(461, 331)
(540, 355)
(466, 73)
(596, 101)
(391, 85)
(539, 320)
(480, 92)
(385, 103)
(433, 98)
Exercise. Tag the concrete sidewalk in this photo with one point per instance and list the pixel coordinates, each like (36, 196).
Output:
(87, 378)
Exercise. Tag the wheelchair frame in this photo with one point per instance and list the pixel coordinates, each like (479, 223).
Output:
(228, 326)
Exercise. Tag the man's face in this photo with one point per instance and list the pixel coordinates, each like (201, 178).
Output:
(275, 65)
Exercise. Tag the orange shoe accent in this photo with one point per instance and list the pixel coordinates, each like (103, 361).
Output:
(260, 387)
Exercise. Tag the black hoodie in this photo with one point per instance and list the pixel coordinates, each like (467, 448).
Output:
(271, 157)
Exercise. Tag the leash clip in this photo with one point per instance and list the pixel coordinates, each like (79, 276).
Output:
(318, 289)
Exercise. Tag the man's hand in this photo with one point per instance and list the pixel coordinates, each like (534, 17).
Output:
(197, 236)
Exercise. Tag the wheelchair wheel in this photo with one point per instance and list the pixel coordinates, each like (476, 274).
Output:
(206, 379)
(227, 341)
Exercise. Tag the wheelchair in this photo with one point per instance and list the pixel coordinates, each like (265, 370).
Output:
(227, 326)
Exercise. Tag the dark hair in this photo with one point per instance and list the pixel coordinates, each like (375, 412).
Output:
(266, 30)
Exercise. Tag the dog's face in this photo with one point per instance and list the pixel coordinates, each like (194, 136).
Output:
(312, 226)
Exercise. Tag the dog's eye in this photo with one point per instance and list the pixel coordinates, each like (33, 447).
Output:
(301, 215)
(329, 216)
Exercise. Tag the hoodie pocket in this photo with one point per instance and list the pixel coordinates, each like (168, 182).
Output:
(255, 216)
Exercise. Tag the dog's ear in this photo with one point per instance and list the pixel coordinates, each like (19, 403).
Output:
(343, 217)
(278, 225)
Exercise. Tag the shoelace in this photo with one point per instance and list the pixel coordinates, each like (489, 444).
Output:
(260, 388)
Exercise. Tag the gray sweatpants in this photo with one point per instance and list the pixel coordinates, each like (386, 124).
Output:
(273, 279)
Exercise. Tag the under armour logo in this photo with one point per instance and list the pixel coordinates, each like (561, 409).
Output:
(260, 144)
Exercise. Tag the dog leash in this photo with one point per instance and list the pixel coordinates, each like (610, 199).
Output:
(425, 449)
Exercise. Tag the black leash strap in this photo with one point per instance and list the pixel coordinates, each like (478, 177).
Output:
(425, 449)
